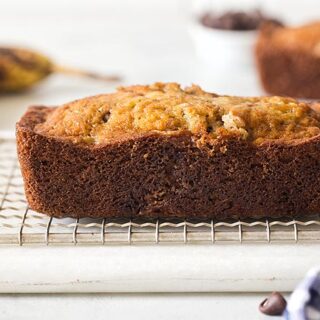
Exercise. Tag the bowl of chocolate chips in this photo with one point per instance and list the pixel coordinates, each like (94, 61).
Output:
(226, 40)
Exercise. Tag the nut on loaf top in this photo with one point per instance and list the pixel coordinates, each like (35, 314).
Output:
(166, 108)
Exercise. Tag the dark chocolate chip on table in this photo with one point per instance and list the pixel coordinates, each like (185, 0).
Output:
(274, 305)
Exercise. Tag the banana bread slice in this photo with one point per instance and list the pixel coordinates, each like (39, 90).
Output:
(161, 151)
(288, 60)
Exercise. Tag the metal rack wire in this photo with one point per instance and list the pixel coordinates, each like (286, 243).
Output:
(19, 225)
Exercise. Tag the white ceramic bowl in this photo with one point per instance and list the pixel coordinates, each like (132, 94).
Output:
(223, 49)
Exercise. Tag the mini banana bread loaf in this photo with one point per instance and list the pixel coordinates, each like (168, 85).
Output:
(288, 60)
(161, 151)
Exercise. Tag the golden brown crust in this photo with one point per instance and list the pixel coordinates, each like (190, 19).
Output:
(156, 175)
(166, 108)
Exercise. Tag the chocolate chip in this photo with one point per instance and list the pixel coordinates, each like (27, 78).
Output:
(236, 20)
(209, 129)
(106, 116)
(274, 305)
(3, 73)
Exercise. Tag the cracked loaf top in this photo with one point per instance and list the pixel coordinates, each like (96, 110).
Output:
(166, 108)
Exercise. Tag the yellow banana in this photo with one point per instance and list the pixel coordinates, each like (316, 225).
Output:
(20, 69)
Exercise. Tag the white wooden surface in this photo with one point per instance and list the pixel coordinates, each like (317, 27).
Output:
(206, 306)
(145, 41)
(192, 268)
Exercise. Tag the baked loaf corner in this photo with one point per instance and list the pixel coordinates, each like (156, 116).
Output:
(288, 60)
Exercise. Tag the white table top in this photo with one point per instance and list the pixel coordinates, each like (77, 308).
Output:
(162, 268)
(204, 306)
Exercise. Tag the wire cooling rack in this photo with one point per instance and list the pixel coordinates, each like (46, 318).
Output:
(19, 225)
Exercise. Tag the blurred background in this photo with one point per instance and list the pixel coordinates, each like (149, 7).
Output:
(143, 41)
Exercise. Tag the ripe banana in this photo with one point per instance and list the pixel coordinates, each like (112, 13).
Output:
(20, 69)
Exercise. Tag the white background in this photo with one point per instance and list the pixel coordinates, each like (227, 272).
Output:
(145, 41)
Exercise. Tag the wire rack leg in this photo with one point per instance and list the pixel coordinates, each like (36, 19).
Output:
(74, 234)
(22, 225)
